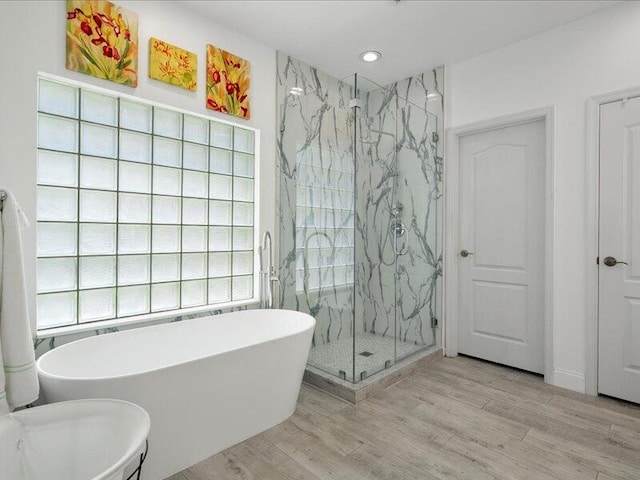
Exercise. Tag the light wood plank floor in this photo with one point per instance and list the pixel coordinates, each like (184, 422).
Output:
(458, 419)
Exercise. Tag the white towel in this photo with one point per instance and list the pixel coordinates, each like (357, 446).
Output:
(18, 376)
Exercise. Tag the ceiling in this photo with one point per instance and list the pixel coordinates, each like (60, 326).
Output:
(412, 35)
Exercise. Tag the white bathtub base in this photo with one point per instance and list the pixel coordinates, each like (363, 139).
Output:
(206, 404)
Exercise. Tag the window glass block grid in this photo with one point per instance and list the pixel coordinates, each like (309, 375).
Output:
(325, 227)
(140, 208)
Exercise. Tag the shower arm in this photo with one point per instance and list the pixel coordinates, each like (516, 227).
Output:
(379, 133)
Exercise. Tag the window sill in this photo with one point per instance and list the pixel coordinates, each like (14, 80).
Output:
(138, 319)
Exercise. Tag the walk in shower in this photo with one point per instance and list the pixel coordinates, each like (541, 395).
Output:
(359, 212)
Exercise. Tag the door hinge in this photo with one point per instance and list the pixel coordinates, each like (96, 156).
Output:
(597, 260)
(434, 322)
(435, 137)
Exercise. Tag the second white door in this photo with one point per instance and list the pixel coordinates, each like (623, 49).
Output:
(501, 253)
(619, 279)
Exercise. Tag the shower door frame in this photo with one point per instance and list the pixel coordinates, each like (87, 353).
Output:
(451, 226)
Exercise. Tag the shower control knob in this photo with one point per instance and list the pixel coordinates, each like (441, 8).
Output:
(465, 253)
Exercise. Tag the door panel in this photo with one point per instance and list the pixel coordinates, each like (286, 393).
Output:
(619, 284)
(631, 174)
(631, 349)
(501, 289)
(501, 244)
(495, 302)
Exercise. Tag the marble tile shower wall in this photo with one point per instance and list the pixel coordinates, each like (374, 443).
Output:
(321, 220)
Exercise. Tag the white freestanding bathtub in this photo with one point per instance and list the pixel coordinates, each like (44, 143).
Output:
(207, 383)
(80, 440)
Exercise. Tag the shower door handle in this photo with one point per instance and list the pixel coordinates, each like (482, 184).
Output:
(465, 253)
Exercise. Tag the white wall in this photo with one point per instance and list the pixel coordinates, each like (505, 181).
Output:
(35, 33)
(561, 67)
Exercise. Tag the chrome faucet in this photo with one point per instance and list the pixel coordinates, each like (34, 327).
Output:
(267, 272)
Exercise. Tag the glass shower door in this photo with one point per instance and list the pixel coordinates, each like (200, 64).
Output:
(375, 147)
(397, 260)
(317, 193)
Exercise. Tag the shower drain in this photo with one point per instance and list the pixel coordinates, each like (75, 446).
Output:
(365, 354)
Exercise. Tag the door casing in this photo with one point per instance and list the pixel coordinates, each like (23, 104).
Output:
(452, 241)
(592, 226)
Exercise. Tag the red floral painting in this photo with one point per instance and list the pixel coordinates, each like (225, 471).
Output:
(228, 82)
(102, 40)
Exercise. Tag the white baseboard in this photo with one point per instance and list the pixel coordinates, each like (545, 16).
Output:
(569, 380)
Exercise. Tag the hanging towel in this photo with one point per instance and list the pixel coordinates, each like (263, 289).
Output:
(18, 376)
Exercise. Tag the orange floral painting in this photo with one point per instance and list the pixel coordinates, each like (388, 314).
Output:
(173, 65)
(102, 40)
(228, 82)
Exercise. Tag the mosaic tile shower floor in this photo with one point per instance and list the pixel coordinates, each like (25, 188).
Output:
(336, 356)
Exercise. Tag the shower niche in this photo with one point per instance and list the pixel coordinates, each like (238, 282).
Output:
(359, 210)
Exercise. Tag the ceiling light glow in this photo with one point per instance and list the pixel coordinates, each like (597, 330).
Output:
(370, 56)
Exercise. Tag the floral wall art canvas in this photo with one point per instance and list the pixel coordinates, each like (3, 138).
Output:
(172, 65)
(102, 40)
(228, 82)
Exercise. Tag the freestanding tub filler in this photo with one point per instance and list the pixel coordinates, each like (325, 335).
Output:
(79, 440)
(207, 383)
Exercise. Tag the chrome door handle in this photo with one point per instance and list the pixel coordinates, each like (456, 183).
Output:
(612, 262)
(465, 253)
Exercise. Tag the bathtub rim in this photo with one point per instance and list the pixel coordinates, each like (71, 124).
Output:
(55, 376)
(127, 457)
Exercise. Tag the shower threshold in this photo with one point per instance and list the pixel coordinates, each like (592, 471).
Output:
(357, 392)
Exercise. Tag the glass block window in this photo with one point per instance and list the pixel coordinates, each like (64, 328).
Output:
(324, 218)
(141, 208)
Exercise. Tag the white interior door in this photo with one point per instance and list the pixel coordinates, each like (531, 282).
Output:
(501, 280)
(619, 283)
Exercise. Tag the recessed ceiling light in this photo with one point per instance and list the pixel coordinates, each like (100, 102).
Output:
(370, 56)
